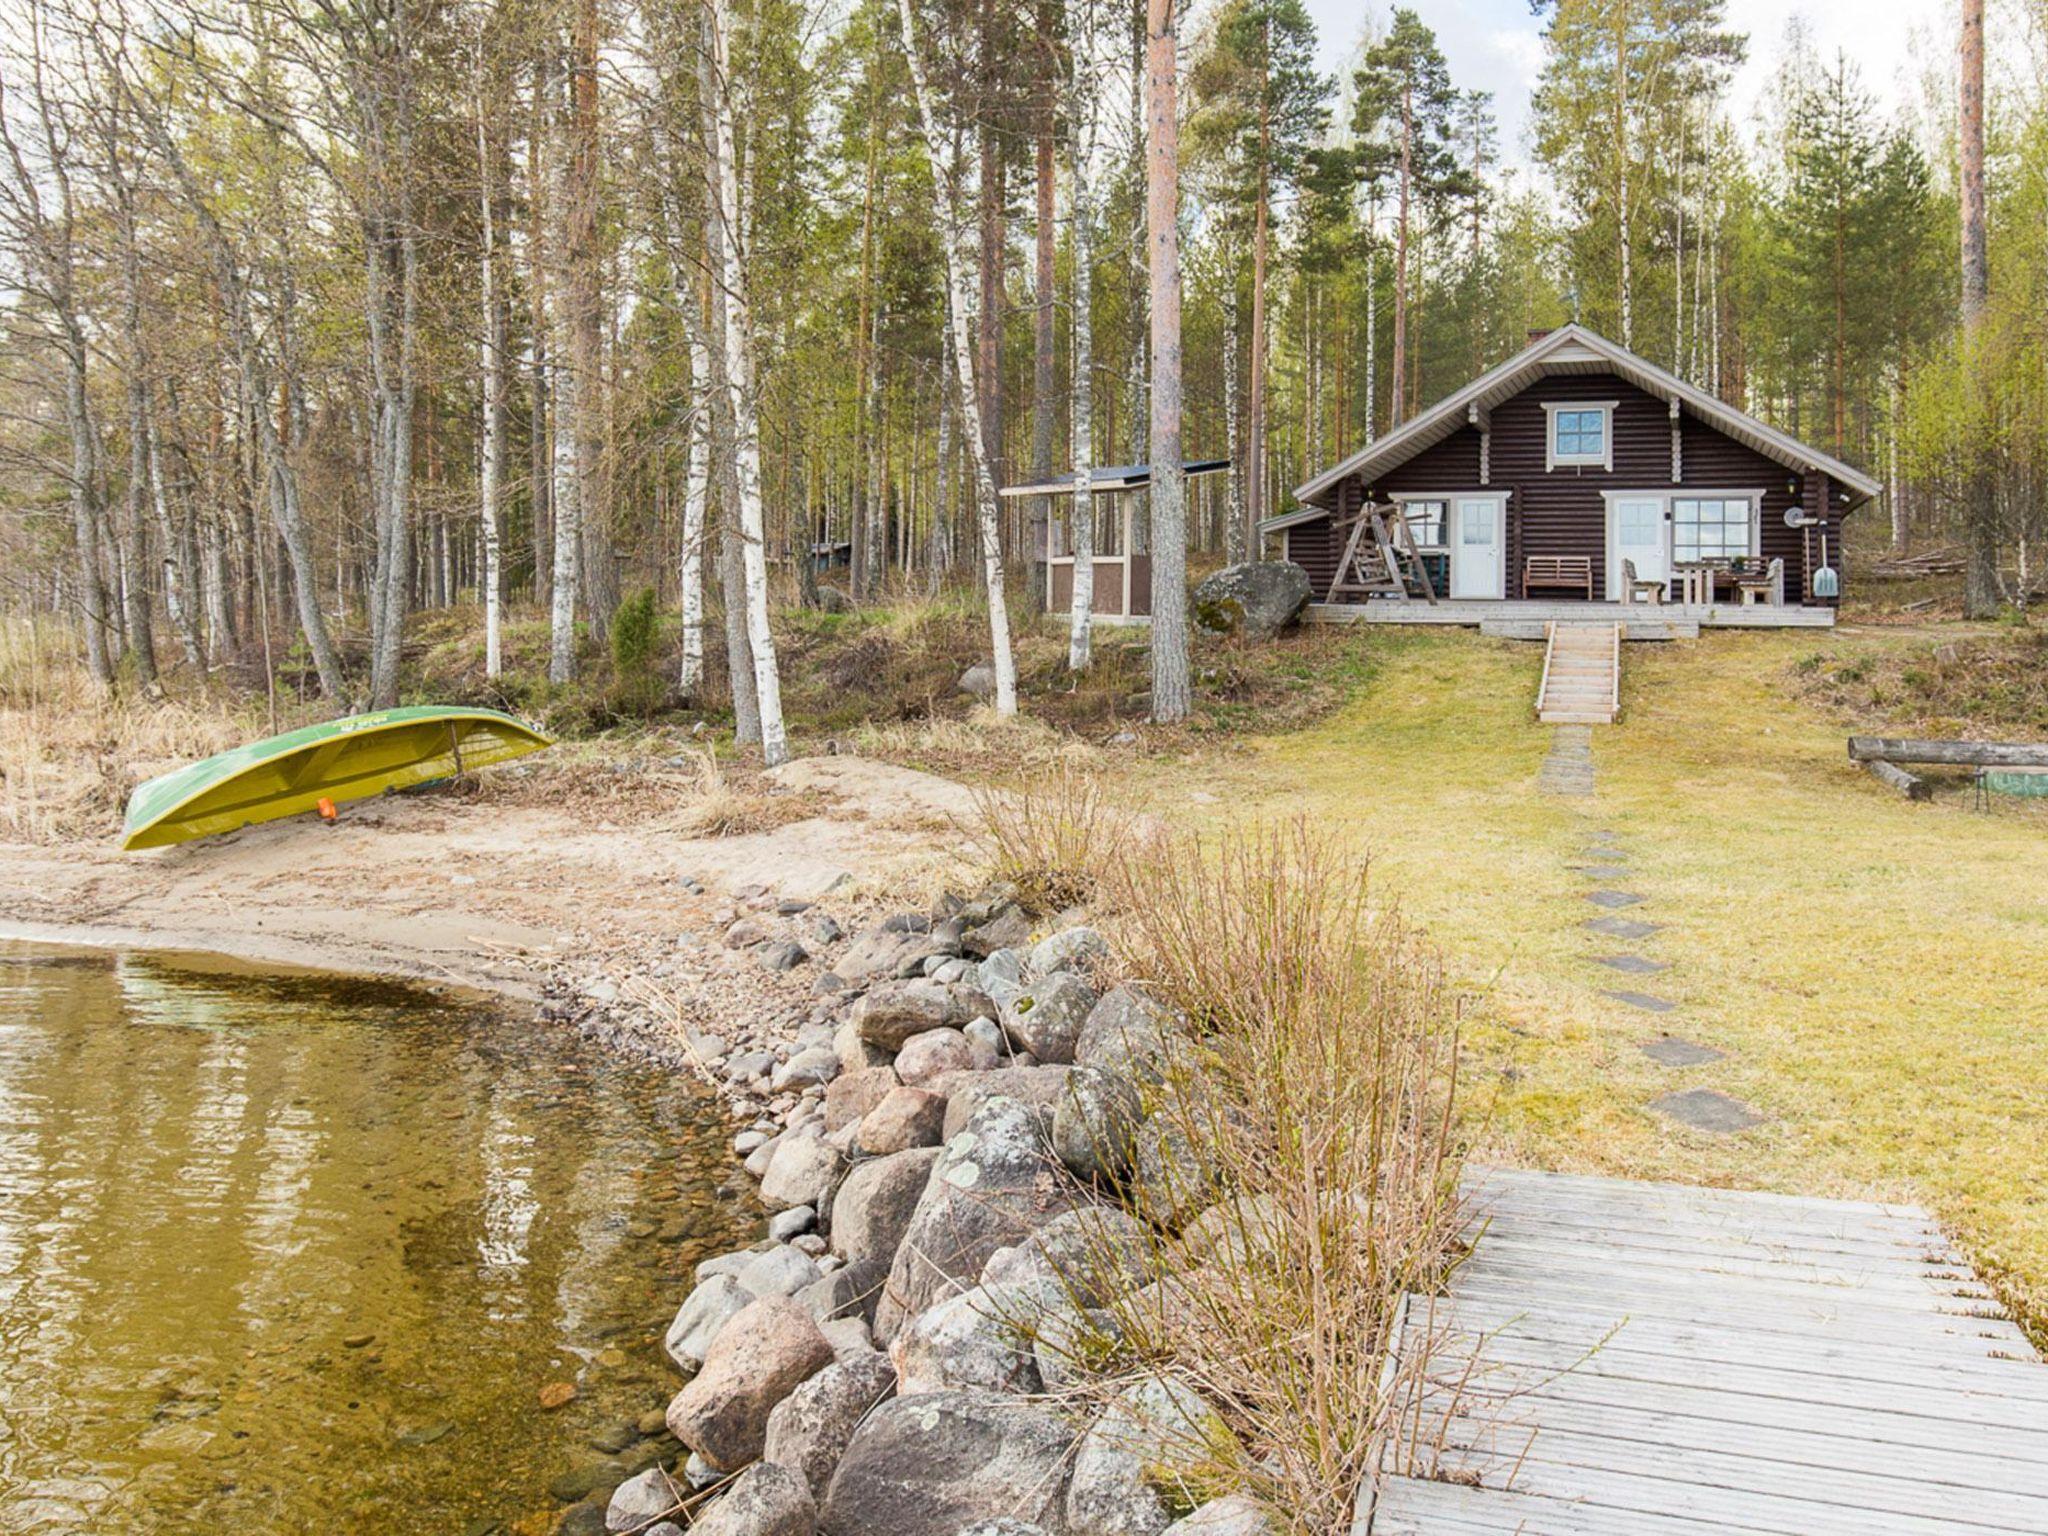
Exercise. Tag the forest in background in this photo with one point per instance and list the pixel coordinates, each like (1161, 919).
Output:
(324, 313)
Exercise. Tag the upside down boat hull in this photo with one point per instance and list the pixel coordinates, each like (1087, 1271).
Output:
(341, 760)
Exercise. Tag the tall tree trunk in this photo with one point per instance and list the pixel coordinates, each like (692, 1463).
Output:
(492, 467)
(860, 576)
(1238, 535)
(740, 388)
(1980, 512)
(696, 484)
(939, 553)
(1171, 692)
(585, 259)
(1398, 411)
(1255, 436)
(1045, 335)
(1621, 222)
(540, 441)
(567, 496)
(1081, 213)
(959, 298)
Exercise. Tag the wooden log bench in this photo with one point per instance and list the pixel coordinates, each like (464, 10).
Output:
(1574, 572)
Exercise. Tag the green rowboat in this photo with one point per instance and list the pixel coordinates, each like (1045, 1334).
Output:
(340, 760)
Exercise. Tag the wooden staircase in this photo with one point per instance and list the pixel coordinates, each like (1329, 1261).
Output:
(1581, 675)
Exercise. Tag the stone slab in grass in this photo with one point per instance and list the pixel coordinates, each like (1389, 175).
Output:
(1621, 927)
(1614, 899)
(1670, 1051)
(1644, 1001)
(1702, 1109)
(1602, 871)
(1634, 965)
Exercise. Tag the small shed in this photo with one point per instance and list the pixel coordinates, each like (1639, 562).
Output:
(1123, 573)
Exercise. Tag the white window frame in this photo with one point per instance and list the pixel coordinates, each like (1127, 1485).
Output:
(1755, 499)
(1604, 459)
(1445, 498)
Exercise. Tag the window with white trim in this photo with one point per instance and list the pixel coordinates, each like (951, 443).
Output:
(1712, 527)
(1427, 525)
(1581, 434)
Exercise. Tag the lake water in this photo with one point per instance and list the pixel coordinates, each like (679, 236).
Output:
(291, 1254)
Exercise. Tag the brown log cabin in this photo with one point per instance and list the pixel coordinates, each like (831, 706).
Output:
(1533, 492)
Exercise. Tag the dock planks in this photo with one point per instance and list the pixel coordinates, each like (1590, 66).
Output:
(1635, 1359)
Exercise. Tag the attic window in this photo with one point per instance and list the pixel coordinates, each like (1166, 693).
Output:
(1581, 432)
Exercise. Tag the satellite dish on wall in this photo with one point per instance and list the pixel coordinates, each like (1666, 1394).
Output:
(1797, 518)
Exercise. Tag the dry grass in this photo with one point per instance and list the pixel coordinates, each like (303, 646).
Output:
(1977, 683)
(1055, 837)
(723, 804)
(71, 751)
(1315, 1113)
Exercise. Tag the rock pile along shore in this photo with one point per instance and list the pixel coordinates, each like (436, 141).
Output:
(955, 1155)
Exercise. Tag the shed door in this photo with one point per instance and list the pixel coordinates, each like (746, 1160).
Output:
(1479, 548)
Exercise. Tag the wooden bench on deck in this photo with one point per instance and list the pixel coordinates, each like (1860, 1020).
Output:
(1559, 571)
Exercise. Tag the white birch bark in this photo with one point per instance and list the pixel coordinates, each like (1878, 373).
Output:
(1172, 691)
(959, 298)
(739, 384)
(1081, 515)
(696, 486)
(492, 468)
(567, 491)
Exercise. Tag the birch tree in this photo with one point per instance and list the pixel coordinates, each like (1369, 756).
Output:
(490, 469)
(1083, 96)
(959, 290)
(731, 277)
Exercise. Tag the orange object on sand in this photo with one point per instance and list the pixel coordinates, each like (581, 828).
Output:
(326, 809)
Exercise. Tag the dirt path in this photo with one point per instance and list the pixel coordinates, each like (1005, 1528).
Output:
(485, 894)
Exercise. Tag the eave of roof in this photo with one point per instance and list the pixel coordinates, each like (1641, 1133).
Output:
(1566, 346)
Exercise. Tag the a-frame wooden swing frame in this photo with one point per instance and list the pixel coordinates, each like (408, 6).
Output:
(1402, 561)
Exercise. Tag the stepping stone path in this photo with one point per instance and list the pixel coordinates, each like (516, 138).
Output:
(1568, 770)
(1670, 1051)
(1644, 1001)
(1702, 1109)
(1614, 898)
(1698, 1109)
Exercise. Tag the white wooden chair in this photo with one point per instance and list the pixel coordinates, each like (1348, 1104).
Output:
(1639, 590)
(1767, 585)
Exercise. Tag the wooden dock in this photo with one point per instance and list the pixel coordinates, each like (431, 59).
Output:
(1632, 1359)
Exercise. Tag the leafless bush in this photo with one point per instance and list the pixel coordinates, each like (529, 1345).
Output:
(1054, 837)
(1313, 1116)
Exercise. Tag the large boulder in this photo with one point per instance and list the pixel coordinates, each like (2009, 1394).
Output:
(908, 1117)
(1170, 1180)
(804, 1171)
(764, 1500)
(893, 1011)
(1142, 1464)
(1133, 1035)
(932, 1055)
(932, 1464)
(875, 1204)
(809, 1429)
(1045, 1018)
(1078, 949)
(716, 1301)
(993, 1185)
(979, 1340)
(887, 952)
(1094, 1251)
(639, 1501)
(1095, 1123)
(781, 1271)
(756, 1361)
(966, 1092)
(850, 1291)
(1257, 599)
(854, 1093)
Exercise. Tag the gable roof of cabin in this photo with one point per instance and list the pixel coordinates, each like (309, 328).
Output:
(1574, 349)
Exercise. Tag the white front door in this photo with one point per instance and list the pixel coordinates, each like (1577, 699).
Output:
(1479, 548)
(1639, 539)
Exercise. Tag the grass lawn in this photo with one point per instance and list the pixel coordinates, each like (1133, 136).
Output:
(1877, 971)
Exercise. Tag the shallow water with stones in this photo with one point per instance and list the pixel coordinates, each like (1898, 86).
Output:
(285, 1253)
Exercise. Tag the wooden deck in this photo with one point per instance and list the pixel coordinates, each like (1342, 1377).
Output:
(1628, 1359)
(1649, 617)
